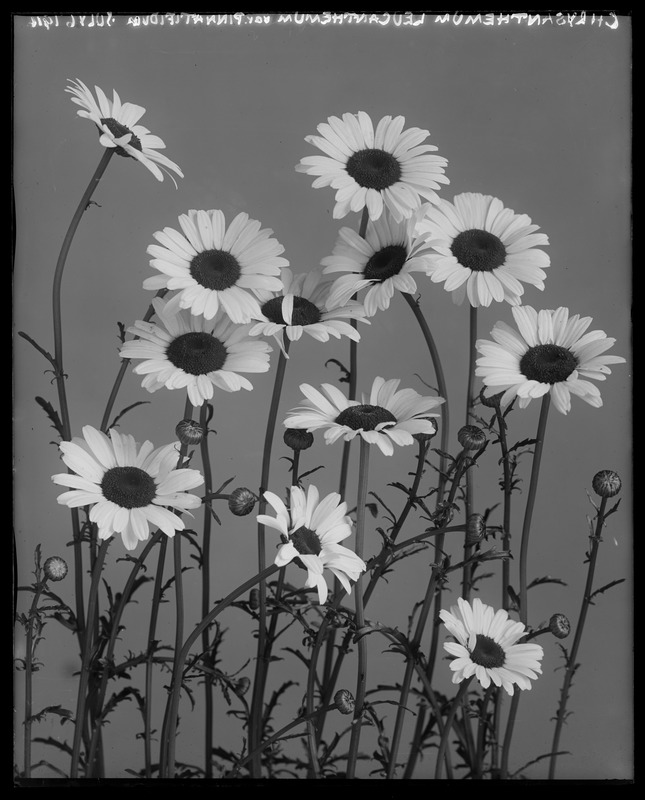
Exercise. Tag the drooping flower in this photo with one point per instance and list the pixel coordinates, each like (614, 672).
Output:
(550, 353)
(212, 265)
(304, 307)
(126, 485)
(385, 417)
(483, 250)
(374, 168)
(311, 530)
(487, 648)
(117, 124)
(383, 261)
(193, 353)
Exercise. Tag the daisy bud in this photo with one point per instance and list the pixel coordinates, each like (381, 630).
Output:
(298, 439)
(242, 501)
(190, 432)
(475, 529)
(344, 701)
(425, 437)
(55, 568)
(606, 483)
(470, 437)
(492, 401)
(242, 686)
(559, 626)
(254, 599)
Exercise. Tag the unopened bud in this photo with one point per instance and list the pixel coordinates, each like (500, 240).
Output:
(190, 432)
(242, 501)
(55, 568)
(344, 701)
(242, 686)
(559, 626)
(491, 400)
(475, 529)
(298, 438)
(254, 599)
(606, 483)
(425, 437)
(470, 437)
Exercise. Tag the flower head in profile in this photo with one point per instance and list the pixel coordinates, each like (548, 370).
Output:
(382, 262)
(127, 486)
(483, 250)
(486, 647)
(549, 353)
(211, 265)
(117, 124)
(194, 353)
(311, 530)
(303, 308)
(374, 169)
(386, 417)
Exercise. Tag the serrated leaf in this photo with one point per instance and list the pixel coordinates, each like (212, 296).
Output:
(605, 587)
(52, 414)
(125, 411)
(545, 579)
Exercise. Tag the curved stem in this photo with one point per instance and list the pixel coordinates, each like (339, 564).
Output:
(29, 645)
(456, 703)
(86, 660)
(361, 680)
(255, 721)
(573, 654)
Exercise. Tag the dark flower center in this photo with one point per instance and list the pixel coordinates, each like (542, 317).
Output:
(548, 363)
(128, 487)
(364, 417)
(478, 250)
(387, 262)
(306, 542)
(118, 130)
(215, 269)
(304, 311)
(197, 353)
(488, 653)
(373, 169)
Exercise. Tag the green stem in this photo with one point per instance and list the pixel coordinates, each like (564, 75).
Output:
(172, 705)
(152, 628)
(29, 647)
(571, 658)
(86, 660)
(360, 617)
(255, 722)
(456, 703)
(469, 500)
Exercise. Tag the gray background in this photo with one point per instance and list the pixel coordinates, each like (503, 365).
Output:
(538, 116)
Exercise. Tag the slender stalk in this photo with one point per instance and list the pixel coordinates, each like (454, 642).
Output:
(360, 617)
(152, 629)
(478, 767)
(29, 654)
(524, 549)
(456, 703)
(571, 658)
(172, 705)
(255, 721)
(206, 580)
(86, 660)
(469, 501)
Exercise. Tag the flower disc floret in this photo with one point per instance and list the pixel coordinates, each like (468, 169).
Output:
(311, 529)
(127, 487)
(550, 352)
(374, 168)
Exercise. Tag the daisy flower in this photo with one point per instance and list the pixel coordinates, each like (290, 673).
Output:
(385, 418)
(303, 308)
(117, 124)
(486, 647)
(212, 266)
(193, 353)
(374, 168)
(550, 353)
(483, 250)
(382, 261)
(310, 531)
(127, 486)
